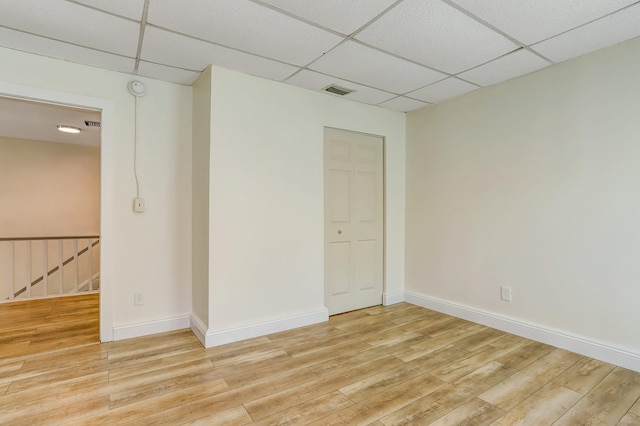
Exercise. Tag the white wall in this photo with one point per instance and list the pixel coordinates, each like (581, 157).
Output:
(200, 199)
(149, 252)
(48, 189)
(533, 184)
(266, 197)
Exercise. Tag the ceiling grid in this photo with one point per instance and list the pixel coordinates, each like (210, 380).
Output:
(398, 54)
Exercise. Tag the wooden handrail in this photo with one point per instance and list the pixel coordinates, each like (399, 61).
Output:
(47, 238)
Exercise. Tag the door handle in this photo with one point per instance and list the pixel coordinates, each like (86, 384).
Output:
(339, 231)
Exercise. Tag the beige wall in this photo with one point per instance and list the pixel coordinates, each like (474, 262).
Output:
(533, 184)
(48, 189)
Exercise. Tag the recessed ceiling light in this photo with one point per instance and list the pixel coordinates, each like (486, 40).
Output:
(68, 129)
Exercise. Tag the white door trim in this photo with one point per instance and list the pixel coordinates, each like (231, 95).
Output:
(107, 166)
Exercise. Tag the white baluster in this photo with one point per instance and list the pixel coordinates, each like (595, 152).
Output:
(60, 266)
(90, 254)
(28, 262)
(45, 267)
(75, 260)
(11, 271)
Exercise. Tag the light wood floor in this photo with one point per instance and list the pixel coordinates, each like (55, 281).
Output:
(384, 365)
(36, 326)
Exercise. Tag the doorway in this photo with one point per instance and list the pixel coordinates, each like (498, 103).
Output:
(54, 247)
(354, 220)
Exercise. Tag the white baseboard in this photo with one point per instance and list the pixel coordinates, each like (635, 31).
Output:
(220, 337)
(152, 327)
(199, 329)
(553, 337)
(392, 298)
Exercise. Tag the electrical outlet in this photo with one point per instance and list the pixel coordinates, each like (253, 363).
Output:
(505, 293)
(138, 205)
(137, 299)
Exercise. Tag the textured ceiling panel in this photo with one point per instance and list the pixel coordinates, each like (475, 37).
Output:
(512, 65)
(403, 104)
(166, 73)
(435, 34)
(355, 62)
(338, 15)
(605, 32)
(69, 52)
(131, 9)
(442, 90)
(532, 21)
(246, 26)
(173, 49)
(52, 19)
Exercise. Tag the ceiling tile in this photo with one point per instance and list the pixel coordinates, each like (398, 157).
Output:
(338, 15)
(442, 90)
(246, 26)
(165, 73)
(533, 21)
(435, 34)
(316, 81)
(131, 9)
(44, 18)
(173, 49)
(608, 31)
(355, 62)
(403, 104)
(56, 49)
(509, 66)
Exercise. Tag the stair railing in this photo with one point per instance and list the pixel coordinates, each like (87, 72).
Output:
(76, 285)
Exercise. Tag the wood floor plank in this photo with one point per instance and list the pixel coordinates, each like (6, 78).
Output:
(448, 398)
(377, 383)
(139, 411)
(91, 385)
(629, 419)
(428, 346)
(475, 412)
(542, 408)
(608, 402)
(379, 405)
(308, 411)
(161, 387)
(635, 409)
(267, 405)
(518, 387)
(525, 355)
(584, 375)
(235, 416)
(191, 409)
(464, 365)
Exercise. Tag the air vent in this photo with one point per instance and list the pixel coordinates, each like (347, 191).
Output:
(91, 123)
(338, 90)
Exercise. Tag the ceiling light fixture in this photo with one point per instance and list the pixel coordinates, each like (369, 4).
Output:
(68, 129)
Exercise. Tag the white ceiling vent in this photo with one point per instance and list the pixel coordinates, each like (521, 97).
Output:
(337, 90)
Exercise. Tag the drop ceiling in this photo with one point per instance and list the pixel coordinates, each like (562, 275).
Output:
(398, 54)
